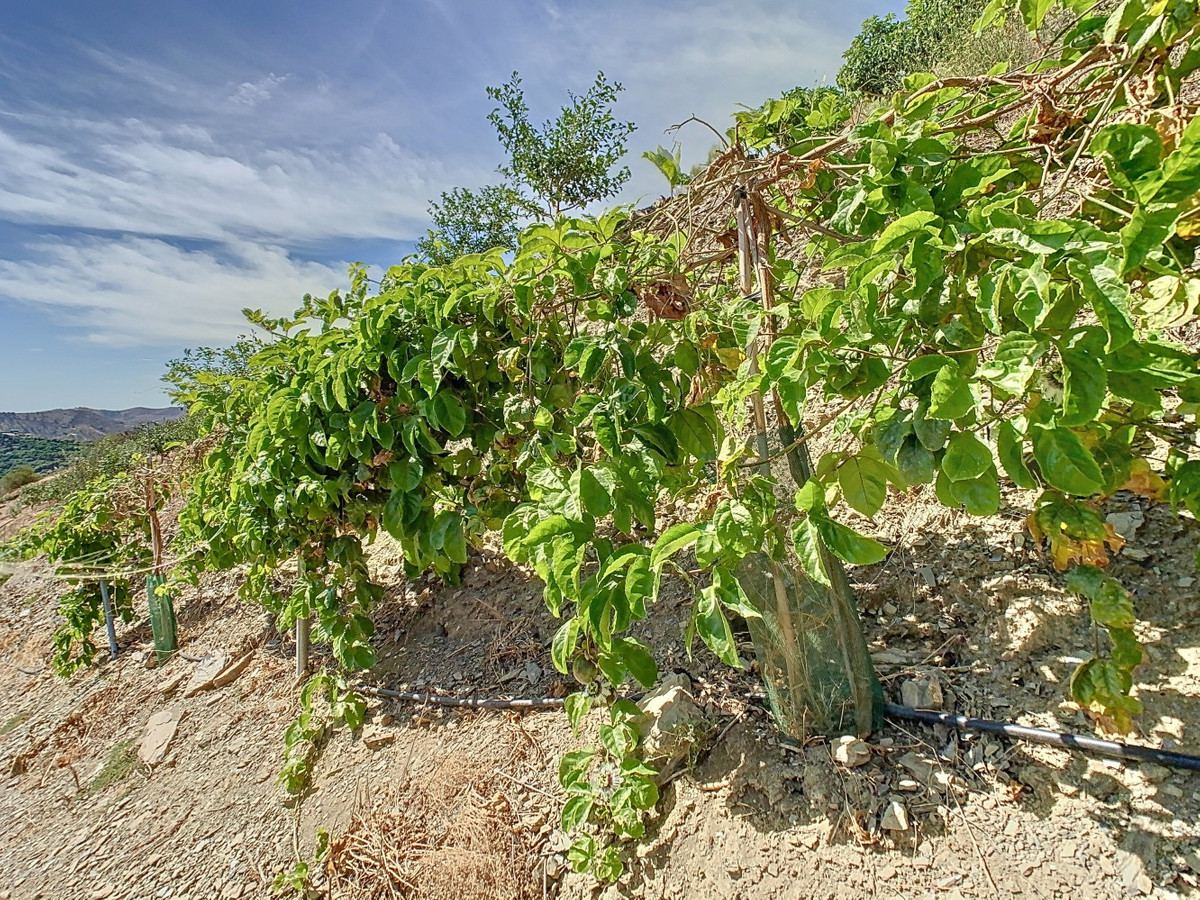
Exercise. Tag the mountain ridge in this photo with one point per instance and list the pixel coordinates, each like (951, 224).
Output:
(83, 423)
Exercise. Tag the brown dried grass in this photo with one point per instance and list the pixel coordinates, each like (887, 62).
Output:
(449, 836)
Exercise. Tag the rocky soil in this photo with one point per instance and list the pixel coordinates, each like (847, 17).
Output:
(135, 782)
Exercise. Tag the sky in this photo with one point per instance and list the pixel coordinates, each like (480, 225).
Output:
(164, 165)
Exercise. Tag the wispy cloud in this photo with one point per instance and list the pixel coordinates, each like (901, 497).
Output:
(131, 291)
(177, 181)
(251, 93)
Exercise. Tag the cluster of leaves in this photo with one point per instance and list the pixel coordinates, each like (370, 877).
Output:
(987, 299)
(609, 788)
(562, 165)
(99, 532)
(325, 701)
(788, 121)
(887, 49)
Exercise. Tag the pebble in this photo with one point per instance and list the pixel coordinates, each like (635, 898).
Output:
(851, 751)
(922, 692)
(895, 817)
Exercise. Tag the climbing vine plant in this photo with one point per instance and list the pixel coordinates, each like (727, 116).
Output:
(989, 272)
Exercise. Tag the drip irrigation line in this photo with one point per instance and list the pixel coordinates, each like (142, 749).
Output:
(1069, 741)
(1066, 740)
(470, 702)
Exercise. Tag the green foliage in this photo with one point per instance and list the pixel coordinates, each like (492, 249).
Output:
(40, 455)
(968, 321)
(325, 701)
(977, 317)
(17, 478)
(111, 456)
(466, 221)
(669, 163)
(567, 162)
(887, 50)
(102, 530)
(300, 877)
(787, 121)
(610, 793)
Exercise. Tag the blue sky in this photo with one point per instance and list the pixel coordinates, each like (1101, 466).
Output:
(163, 166)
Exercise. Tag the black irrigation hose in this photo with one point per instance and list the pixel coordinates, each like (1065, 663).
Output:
(1045, 736)
(470, 702)
(891, 710)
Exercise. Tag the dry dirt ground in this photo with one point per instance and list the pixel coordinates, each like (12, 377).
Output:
(429, 802)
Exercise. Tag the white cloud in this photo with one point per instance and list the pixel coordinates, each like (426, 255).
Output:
(251, 93)
(178, 181)
(131, 291)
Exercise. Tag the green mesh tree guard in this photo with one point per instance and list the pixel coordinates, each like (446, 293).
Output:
(162, 618)
(809, 640)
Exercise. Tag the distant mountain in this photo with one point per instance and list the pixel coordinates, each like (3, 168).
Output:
(82, 423)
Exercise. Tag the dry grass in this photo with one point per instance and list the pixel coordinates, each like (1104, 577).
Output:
(452, 835)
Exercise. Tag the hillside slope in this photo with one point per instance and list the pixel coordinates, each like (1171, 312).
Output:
(83, 423)
(41, 454)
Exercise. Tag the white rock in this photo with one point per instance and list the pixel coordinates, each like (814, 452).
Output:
(159, 732)
(851, 751)
(922, 692)
(895, 817)
(1127, 523)
(671, 720)
(205, 673)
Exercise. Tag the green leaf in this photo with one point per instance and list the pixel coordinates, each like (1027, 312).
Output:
(573, 768)
(671, 541)
(1109, 297)
(1064, 462)
(847, 544)
(1130, 151)
(713, 628)
(1178, 178)
(1033, 12)
(562, 648)
(1111, 605)
(593, 495)
(735, 527)
(449, 413)
(1085, 381)
(931, 432)
(863, 480)
(575, 812)
(914, 462)
(406, 473)
(637, 659)
(966, 457)
(730, 593)
(978, 496)
(1148, 229)
(577, 706)
(907, 229)
(808, 550)
(1010, 446)
(1014, 362)
(950, 397)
